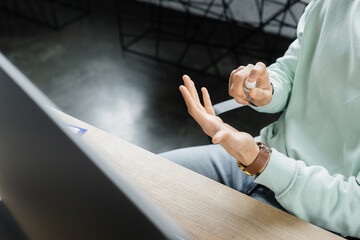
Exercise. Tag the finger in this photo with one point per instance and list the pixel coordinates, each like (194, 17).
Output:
(237, 87)
(232, 74)
(242, 101)
(220, 136)
(190, 85)
(258, 70)
(207, 101)
(189, 101)
(260, 97)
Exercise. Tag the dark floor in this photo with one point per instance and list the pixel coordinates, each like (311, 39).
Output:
(83, 70)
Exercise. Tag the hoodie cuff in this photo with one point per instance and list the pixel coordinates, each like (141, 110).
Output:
(279, 173)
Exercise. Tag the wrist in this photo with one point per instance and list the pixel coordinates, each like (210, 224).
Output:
(252, 155)
(259, 164)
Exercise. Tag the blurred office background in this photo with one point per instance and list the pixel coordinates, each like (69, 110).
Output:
(118, 64)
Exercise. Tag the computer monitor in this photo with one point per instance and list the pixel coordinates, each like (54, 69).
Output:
(57, 187)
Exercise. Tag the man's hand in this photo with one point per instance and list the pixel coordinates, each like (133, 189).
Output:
(261, 95)
(240, 145)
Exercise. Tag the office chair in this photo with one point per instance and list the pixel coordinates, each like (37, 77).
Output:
(226, 106)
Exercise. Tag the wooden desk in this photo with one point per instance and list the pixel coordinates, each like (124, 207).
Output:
(207, 209)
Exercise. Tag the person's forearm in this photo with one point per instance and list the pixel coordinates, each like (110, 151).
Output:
(281, 76)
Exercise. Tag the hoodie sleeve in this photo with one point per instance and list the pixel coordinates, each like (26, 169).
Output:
(282, 72)
(312, 194)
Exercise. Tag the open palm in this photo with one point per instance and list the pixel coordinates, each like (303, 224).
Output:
(238, 144)
(204, 115)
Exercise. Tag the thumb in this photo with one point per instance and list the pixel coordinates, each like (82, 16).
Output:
(220, 136)
(260, 97)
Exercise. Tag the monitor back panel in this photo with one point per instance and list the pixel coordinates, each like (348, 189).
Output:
(51, 186)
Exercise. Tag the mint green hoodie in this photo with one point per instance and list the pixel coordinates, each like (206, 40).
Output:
(315, 164)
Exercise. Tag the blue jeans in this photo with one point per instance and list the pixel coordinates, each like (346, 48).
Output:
(214, 162)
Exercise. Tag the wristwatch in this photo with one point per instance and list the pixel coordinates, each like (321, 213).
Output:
(260, 161)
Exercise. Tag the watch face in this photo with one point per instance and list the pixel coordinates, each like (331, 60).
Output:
(265, 148)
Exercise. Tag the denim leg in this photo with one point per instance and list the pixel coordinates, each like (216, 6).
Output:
(215, 163)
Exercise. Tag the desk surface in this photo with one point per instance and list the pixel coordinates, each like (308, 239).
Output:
(205, 208)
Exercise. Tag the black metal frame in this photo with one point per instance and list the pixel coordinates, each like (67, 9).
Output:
(282, 12)
(46, 12)
(192, 31)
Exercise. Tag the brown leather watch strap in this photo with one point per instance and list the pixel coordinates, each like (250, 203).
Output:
(260, 161)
